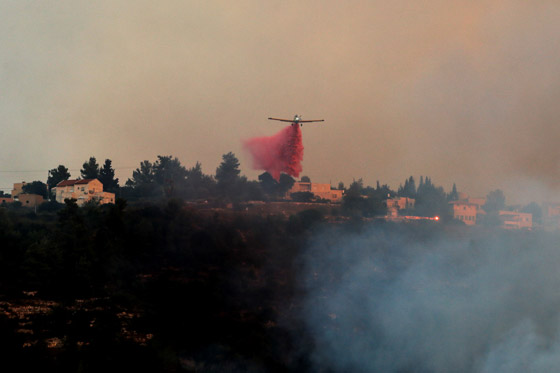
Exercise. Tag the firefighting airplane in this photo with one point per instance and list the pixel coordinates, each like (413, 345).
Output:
(297, 120)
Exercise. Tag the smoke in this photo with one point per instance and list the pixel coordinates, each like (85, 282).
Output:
(282, 152)
(400, 299)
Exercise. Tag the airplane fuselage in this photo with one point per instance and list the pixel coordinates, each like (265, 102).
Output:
(297, 120)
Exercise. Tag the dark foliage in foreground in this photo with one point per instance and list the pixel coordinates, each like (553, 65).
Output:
(168, 287)
(203, 290)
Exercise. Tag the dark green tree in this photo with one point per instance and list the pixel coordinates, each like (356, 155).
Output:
(36, 187)
(431, 200)
(198, 185)
(165, 177)
(409, 188)
(107, 177)
(276, 189)
(495, 201)
(227, 176)
(142, 175)
(268, 184)
(305, 179)
(228, 171)
(142, 184)
(285, 184)
(170, 175)
(56, 175)
(454, 195)
(353, 201)
(90, 169)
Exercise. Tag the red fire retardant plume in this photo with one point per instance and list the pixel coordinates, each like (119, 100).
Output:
(282, 152)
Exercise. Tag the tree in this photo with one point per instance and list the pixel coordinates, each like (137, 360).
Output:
(286, 183)
(36, 187)
(268, 184)
(142, 183)
(409, 189)
(431, 200)
(454, 195)
(228, 171)
(56, 175)
(142, 175)
(495, 201)
(276, 188)
(90, 169)
(169, 174)
(305, 179)
(197, 184)
(353, 202)
(227, 175)
(165, 177)
(107, 177)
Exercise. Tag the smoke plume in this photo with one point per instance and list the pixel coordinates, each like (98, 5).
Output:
(282, 152)
(396, 299)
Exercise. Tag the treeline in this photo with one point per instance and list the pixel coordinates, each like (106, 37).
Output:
(167, 178)
(430, 199)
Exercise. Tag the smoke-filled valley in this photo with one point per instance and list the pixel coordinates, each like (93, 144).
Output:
(413, 299)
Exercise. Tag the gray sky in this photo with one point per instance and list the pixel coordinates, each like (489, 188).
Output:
(461, 91)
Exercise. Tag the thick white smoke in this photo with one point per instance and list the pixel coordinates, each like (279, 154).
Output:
(404, 299)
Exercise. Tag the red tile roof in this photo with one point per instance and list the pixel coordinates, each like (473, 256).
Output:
(74, 182)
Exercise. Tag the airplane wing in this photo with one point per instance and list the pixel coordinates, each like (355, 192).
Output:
(314, 120)
(283, 120)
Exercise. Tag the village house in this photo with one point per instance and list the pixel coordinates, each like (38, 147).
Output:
(30, 200)
(465, 211)
(323, 191)
(4, 200)
(18, 189)
(26, 199)
(82, 191)
(478, 202)
(516, 220)
(551, 216)
(394, 205)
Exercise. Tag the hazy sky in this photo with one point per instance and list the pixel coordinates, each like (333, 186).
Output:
(462, 91)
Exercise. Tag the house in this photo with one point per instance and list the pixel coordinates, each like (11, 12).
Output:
(4, 200)
(323, 191)
(479, 202)
(465, 211)
(516, 220)
(82, 191)
(26, 199)
(394, 205)
(18, 189)
(30, 200)
(551, 216)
